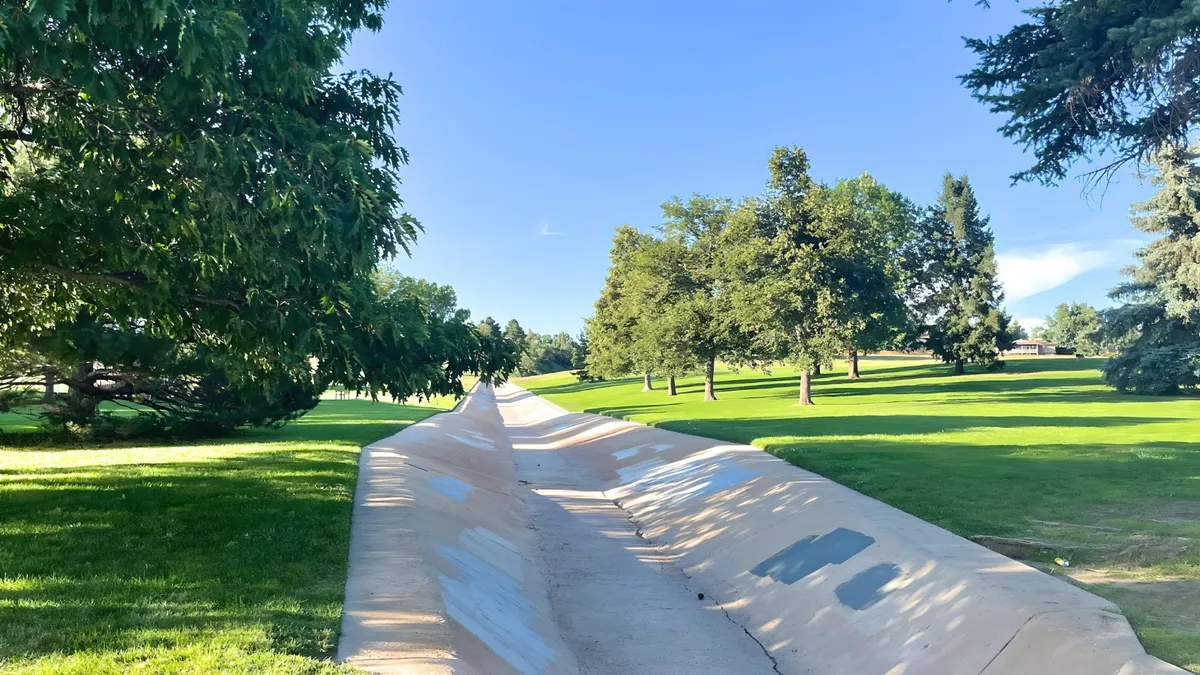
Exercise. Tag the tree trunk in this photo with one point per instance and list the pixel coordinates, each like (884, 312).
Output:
(853, 363)
(709, 373)
(816, 370)
(805, 388)
(671, 386)
(958, 367)
(81, 407)
(647, 385)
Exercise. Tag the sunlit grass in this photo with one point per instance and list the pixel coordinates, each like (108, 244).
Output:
(982, 454)
(224, 556)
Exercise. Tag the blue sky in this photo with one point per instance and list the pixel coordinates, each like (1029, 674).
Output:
(536, 128)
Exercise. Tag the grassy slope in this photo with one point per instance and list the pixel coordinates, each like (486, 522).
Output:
(986, 453)
(225, 556)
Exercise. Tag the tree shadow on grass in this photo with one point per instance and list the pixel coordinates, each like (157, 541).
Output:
(579, 387)
(353, 422)
(118, 557)
(888, 425)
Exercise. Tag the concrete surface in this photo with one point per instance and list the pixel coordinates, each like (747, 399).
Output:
(513, 536)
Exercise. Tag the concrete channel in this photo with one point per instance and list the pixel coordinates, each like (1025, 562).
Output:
(511, 536)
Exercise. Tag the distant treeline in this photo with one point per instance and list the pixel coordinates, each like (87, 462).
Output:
(541, 353)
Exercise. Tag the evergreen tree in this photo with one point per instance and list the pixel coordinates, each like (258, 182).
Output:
(1117, 77)
(967, 324)
(579, 353)
(1160, 320)
(514, 332)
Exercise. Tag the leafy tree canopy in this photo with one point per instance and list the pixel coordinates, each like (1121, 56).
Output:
(618, 311)
(1077, 326)
(194, 183)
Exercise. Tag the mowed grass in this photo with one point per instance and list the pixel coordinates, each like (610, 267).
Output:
(1113, 478)
(210, 557)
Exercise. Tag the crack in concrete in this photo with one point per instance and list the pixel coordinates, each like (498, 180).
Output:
(638, 532)
(1014, 637)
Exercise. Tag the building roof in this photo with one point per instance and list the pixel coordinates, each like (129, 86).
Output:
(1043, 343)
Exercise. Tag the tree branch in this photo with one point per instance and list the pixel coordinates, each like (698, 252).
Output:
(42, 87)
(9, 135)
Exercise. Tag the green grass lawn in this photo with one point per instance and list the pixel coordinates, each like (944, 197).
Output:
(1114, 478)
(224, 556)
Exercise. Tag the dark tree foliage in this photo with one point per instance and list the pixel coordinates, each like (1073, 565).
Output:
(966, 323)
(1017, 331)
(1120, 77)
(579, 359)
(175, 389)
(872, 260)
(547, 353)
(516, 334)
(1159, 322)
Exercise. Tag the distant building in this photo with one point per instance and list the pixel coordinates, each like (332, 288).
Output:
(1032, 348)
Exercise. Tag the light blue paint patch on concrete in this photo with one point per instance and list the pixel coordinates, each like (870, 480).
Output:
(627, 452)
(451, 487)
(659, 447)
(473, 442)
(494, 550)
(866, 588)
(682, 482)
(491, 605)
(811, 554)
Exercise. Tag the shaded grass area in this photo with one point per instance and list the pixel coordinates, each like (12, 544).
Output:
(1113, 478)
(218, 557)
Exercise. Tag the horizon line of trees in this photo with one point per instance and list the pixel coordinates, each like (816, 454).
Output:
(540, 353)
(801, 275)
(808, 272)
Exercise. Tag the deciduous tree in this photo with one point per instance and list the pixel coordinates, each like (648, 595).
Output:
(1077, 326)
(698, 312)
(868, 248)
(618, 311)
(198, 176)
(788, 294)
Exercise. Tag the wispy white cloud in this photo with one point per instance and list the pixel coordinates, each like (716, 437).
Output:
(545, 231)
(1028, 272)
(1029, 323)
